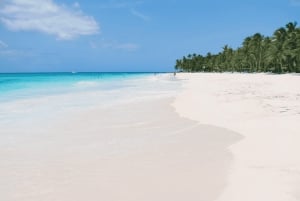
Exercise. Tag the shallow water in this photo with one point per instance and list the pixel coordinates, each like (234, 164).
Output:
(32, 97)
(27, 85)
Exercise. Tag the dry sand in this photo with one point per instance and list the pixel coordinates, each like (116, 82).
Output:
(265, 109)
(141, 151)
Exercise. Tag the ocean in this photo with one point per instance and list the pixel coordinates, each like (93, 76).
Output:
(32, 96)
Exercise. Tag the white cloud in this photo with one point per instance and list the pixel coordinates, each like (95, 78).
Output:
(140, 15)
(3, 44)
(48, 17)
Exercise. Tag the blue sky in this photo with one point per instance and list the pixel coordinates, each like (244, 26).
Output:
(128, 35)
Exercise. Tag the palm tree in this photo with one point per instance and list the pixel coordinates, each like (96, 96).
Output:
(290, 46)
(277, 50)
(246, 49)
(266, 44)
(178, 65)
(291, 27)
(279, 53)
(258, 42)
(297, 51)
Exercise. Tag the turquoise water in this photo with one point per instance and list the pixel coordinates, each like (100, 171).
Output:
(28, 85)
(33, 97)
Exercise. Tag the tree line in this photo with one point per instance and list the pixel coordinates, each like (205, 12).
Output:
(278, 53)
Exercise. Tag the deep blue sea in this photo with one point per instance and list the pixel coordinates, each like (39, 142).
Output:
(28, 95)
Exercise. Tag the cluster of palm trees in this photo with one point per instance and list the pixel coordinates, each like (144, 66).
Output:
(279, 53)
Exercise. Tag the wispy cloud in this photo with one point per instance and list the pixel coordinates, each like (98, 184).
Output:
(7, 52)
(76, 5)
(295, 2)
(48, 17)
(12, 53)
(139, 15)
(127, 46)
(103, 44)
(3, 44)
(128, 5)
(120, 4)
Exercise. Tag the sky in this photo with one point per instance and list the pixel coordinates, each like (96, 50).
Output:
(128, 35)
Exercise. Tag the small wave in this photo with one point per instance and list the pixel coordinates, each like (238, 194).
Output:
(84, 84)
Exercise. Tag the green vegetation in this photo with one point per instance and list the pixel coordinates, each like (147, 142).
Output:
(279, 53)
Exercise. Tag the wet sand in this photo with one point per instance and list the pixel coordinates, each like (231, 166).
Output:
(132, 152)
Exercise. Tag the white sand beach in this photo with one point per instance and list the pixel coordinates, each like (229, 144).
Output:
(134, 151)
(265, 110)
(224, 137)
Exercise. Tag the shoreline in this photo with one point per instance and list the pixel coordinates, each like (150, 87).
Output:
(223, 137)
(263, 108)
